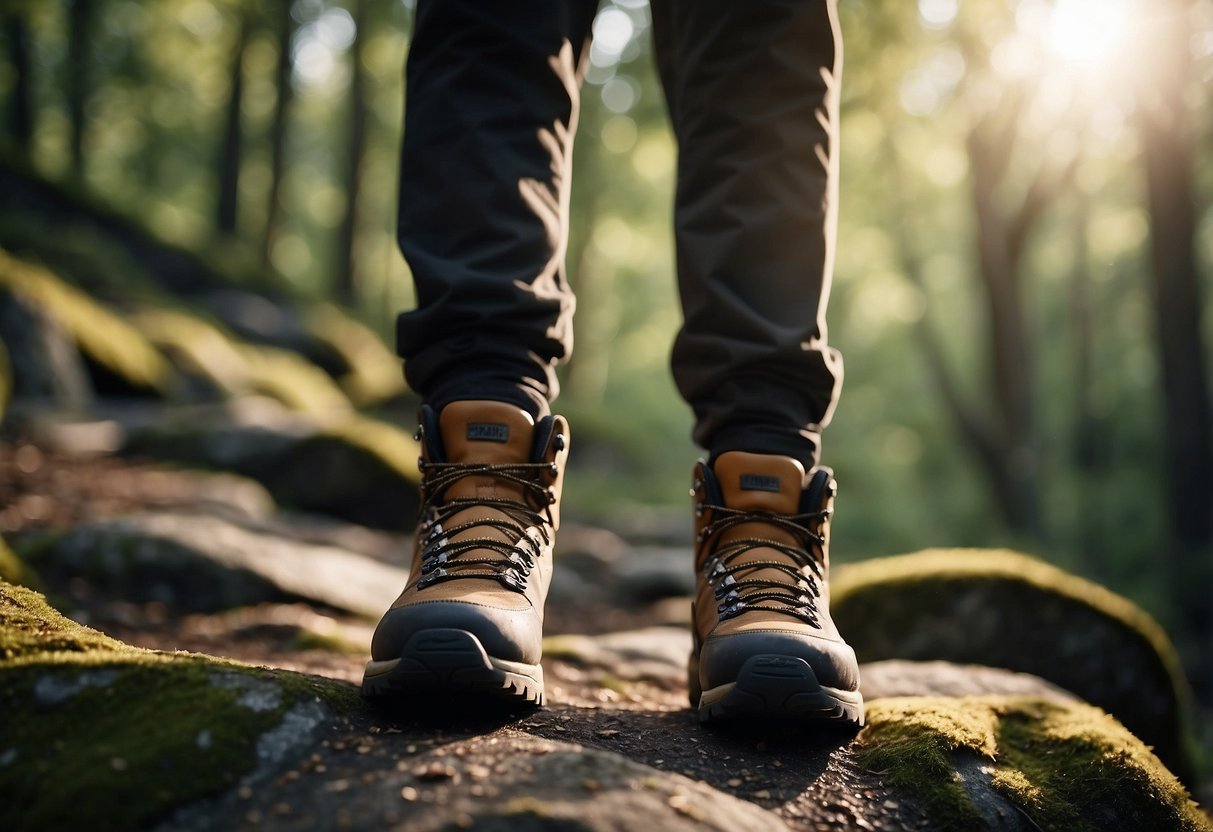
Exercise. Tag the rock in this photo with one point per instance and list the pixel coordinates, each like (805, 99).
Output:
(326, 336)
(41, 361)
(111, 736)
(116, 737)
(1003, 609)
(353, 467)
(44, 488)
(894, 677)
(197, 562)
(655, 654)
(651, 573)
(119, 359)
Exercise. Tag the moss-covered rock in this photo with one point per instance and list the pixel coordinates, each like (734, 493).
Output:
(208, 351)
(1060, 765)
(120, 359)
(112, 736)
(1004, 609)
(351, 467)
(370, 373)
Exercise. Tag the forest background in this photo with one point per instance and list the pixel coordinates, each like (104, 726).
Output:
(1021, 292)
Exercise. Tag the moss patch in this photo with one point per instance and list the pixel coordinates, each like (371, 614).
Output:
(1004, 609)
(207, 350)
(101, 731)
(372, 371)
(1064, 766)
(102, 337)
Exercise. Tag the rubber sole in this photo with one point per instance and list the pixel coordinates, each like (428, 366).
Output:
(453, 662)
(779, 687)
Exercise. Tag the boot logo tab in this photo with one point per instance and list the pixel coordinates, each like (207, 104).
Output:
(759, 482)
(488, 432)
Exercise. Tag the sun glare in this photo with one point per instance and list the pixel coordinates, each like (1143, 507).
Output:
(1088, 33)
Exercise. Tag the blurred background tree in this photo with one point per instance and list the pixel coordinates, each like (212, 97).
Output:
(1022, 281)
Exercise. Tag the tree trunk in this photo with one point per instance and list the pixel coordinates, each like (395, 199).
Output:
(21, 100)
(1187, 417)
(1013, 469)
(230, 154)
(347, 282)
(79, 79)
(1085, 437)
(278, 128)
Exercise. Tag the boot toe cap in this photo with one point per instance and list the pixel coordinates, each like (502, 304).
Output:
(513, 635)
(833, 662)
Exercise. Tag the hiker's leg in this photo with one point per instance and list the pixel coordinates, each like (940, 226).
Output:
(492, 99)
(752, 90)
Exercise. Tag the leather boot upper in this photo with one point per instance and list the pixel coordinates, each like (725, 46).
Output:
(762, 561)
(482, 559)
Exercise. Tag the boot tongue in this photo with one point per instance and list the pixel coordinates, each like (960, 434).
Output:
(760, 482)
(487, 432)
(484, 431)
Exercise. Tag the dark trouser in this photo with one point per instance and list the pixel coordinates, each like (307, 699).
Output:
(752, 88)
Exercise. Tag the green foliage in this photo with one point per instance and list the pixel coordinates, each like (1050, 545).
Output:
(1064, 766)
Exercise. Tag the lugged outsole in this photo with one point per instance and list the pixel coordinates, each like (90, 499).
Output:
(453, 662)
(779, 687)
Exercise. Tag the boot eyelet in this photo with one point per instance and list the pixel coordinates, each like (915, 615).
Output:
(554, 470)
(559, 442)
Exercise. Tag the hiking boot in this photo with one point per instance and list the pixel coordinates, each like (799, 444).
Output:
(470, 618)
(764, 644)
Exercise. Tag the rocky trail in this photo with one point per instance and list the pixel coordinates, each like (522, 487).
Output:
(189, 560)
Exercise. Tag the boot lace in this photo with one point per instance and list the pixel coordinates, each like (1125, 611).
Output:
(527, 529)
(797, 595)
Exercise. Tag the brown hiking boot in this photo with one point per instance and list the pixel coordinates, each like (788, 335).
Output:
(470, 618)
(764, 644)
